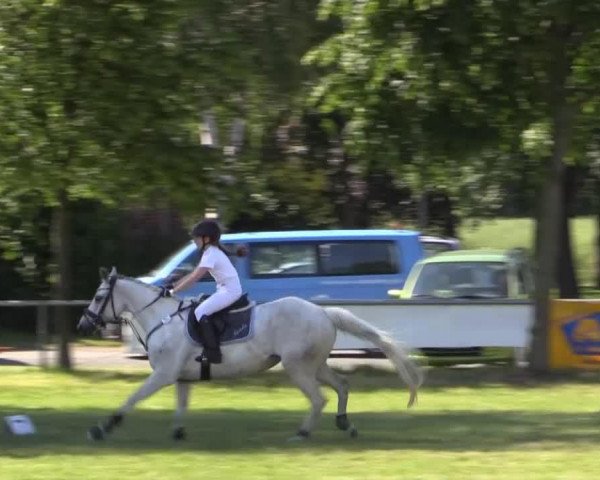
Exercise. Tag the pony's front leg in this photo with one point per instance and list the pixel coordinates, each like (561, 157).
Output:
(183, 396)
(157, 380)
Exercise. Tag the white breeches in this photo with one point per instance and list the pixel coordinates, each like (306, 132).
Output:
(220, 299)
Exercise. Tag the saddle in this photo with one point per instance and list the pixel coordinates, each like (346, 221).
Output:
(231, 324)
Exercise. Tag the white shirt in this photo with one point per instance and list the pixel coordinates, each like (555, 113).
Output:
(221, 269)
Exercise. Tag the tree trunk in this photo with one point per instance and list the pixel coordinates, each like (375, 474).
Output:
(547, 241)
(547, 245)
(567, 280)
(61, 244)
(545, 263)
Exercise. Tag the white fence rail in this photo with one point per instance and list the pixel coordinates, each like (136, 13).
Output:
(419, 324)
(431, 324)
(443, 324)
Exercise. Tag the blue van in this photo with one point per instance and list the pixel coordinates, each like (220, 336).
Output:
(315, 265)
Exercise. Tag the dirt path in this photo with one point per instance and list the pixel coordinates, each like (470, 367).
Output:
(80, 356)
(98, 357)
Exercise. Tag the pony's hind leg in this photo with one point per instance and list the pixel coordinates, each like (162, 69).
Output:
(303, 374)
(327, 376)
(183, 395)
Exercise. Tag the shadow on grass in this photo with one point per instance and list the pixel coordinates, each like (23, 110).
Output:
(366, 377)
(369, 379)
(254, 430)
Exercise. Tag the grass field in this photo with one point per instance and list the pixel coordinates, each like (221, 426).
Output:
(519, 232)
(470, 423)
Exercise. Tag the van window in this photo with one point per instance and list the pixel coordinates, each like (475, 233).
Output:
(334, 258)
(283, 259)
(358, 258)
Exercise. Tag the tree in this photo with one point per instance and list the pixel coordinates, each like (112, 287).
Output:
(101, 102)
(453, 88)
(96, 100)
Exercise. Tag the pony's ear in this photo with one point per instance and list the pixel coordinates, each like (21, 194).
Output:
(103, 271)
(113, 272)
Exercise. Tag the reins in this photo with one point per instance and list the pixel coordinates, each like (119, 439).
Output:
(98, 321)
(164, 321)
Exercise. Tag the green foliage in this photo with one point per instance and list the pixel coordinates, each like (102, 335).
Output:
(97, 101)
(453, 93)
(102, 100)
(95, 98)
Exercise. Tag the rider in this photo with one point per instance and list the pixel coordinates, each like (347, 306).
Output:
(213, 260)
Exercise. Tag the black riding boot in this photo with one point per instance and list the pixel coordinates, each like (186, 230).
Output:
(212, 350)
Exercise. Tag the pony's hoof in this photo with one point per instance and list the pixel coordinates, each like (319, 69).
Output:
(353, 432)
(179, 434)
(95, 433)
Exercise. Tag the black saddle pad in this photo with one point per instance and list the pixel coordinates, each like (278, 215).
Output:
(231, 325)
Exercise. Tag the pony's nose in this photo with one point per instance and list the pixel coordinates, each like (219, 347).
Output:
(84, 326)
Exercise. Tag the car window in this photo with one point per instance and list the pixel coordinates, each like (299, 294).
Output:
(283, 259)
(358, 258)
(462, 279)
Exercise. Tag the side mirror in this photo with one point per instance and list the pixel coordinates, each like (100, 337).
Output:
(396, 293)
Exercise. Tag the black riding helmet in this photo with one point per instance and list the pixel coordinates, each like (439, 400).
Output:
(207, 228)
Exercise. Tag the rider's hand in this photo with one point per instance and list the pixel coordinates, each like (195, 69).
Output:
(167, 291)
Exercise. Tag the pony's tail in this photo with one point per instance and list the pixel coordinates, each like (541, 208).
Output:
(394, 351)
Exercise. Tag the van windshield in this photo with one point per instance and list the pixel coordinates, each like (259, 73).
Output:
(171, 259)
(181, 262)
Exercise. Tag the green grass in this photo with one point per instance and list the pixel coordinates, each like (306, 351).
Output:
(470, 423)
(519, 232)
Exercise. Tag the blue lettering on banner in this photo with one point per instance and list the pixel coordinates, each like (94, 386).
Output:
(583, 334)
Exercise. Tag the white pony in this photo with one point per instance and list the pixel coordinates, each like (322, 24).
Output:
(296, 332)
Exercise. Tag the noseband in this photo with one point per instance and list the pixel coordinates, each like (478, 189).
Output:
(96, 318)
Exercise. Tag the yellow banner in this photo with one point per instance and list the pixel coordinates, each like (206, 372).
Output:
(574, 334)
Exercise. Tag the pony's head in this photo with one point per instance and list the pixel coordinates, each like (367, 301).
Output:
(93, 317)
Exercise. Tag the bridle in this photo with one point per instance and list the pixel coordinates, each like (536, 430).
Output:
(96, 318)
